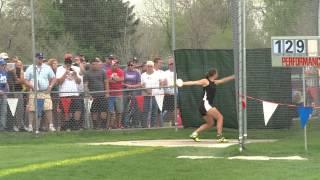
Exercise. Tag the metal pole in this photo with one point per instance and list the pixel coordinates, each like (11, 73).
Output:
(35, 84)
(240, 78)
(304, 104)
(318, 17)
(173, 26)
(173, 47)
(244, 77)
(125, 44)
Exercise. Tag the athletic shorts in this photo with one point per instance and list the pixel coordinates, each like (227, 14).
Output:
(99, 104)
(47, 102)
(115, 104)
(71, 104)
(168, 103)
(204, 108)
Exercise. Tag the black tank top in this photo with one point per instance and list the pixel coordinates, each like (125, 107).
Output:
(209, 92)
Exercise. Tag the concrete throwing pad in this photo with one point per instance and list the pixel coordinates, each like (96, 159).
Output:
(179, 143)
(266, 158)
(251, 158)
(198, 157)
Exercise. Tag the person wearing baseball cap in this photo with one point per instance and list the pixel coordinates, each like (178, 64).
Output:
(39, 56)
(45, 81)
(150, 80)
(70, 80)
(108, 61)
(4, 87)
(115, 77)
(4, 56)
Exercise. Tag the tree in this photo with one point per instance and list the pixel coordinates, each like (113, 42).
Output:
(50, 33)
(199, 24)
(99, 24)
(287, 18)
(15, 34)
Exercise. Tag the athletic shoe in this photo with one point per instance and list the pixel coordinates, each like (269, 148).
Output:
(221, 139)
(195, 137)
(51, 128)
(15, 129)
(30, 129)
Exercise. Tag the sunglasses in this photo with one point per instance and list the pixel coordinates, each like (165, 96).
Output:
(171, 64)
(130, 65)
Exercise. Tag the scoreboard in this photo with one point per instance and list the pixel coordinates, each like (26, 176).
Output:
(295, 51)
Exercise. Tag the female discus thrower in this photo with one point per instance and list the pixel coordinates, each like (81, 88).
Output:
(207, 107)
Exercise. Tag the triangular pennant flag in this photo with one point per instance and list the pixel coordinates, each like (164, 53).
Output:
(13, 102)
(140, 102)
(179, 119)
(40, 106)
(244, 104)
(304, 114)
(159, 99)
(268, 110)
(66, 102)
(90, 100)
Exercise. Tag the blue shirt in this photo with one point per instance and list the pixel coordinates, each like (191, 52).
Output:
(3, 81)
(44, 75)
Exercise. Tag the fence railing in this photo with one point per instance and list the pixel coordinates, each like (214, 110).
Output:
(90, 110)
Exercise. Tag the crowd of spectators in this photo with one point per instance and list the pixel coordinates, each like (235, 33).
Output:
(60, 92)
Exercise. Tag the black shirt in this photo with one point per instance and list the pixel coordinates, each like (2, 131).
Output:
(209, 92)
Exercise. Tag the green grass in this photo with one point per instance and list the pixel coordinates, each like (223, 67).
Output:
(63, 156)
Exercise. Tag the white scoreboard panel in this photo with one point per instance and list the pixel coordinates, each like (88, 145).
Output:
(295, 51)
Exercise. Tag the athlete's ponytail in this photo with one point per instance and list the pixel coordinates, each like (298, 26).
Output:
(211, 72)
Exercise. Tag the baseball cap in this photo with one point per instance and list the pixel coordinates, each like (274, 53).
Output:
(111, 56)
(39, 55)
(2, 61)
(68, 56)
(4, 55)
(150, 63)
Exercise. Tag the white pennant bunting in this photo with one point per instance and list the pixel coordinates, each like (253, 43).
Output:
(268, 110)
(159, 99)
(88, 103)
(12, 102)
(90, 100)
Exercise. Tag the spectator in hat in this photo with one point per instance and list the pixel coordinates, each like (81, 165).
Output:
(4, 56)
(12, 80)
(45, 81)
(71, 103)
(4, 88)
(115, 77)
(150, 80)
(108, 61)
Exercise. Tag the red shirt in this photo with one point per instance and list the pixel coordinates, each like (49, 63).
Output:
(115, 85)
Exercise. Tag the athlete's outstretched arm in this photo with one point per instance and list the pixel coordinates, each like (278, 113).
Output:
(224, 80)
(201, 82)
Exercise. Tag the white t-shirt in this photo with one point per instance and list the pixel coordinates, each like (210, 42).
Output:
(161, 75)
(151, 81)
(69, 85)
(170, 80)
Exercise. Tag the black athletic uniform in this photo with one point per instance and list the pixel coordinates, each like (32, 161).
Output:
(208, 95)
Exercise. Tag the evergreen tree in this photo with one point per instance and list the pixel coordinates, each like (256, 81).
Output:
(99, 25)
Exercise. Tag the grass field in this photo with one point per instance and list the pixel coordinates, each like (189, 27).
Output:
(64, 156)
